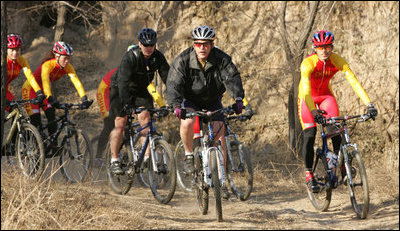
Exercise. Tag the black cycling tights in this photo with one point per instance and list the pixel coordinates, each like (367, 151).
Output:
(308, 145)
(50, 115)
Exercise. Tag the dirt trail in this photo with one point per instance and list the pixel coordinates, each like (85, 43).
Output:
(270, 206)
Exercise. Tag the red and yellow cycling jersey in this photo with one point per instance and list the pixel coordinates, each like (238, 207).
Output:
(315, 82)
(46, 73)
(14, 68)
(50, 71)
(103, 94)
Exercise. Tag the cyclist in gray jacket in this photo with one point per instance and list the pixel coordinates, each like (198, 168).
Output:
(197, 79)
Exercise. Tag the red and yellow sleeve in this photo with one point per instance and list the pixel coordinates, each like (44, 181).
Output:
(306, 68)
(28, 73)
(342, 65)
(75, 80)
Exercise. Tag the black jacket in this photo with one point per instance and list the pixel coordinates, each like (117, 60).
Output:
(187, 79)
(134, 74)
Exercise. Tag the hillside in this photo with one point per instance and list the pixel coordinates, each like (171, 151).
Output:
(366, 35)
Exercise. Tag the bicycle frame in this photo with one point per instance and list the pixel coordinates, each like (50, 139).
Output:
(207, 142)
(62, 122)
(18, 118)
(151, 136)
(345, 146)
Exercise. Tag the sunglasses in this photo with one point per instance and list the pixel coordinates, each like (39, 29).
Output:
(327, 48)
(149, 45)
(198, 45)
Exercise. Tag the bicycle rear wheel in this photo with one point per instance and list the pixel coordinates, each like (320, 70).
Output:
(185, 180)
(201, 188)
(162, 177)
(216, 183)
(321, 199)
(240, 175)
(358, 189)
(120, 184)
(76, 156)
(30, 151)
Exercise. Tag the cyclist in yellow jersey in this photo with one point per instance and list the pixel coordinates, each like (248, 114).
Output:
(55, 65)
(314, 89)
(15, 63)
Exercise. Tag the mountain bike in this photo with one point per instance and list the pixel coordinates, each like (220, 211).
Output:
(24, 142)
(75, 152)
(239, 167)
(350, 167)
(160, 166)
(208, 164)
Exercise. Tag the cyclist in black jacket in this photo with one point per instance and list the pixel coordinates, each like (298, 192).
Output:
(197, 79)
(128, 88)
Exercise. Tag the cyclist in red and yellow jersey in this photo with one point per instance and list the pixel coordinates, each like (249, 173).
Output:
(315, 90)
(55, 66)
(15, 63)
(103, 99)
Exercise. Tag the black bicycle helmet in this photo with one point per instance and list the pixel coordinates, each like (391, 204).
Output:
(147, 36)
(203, 33)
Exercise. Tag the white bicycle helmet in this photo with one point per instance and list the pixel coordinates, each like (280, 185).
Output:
(203, 33)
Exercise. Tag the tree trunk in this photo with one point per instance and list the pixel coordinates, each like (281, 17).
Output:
(59, 34)
(294, 56)
(3, 63)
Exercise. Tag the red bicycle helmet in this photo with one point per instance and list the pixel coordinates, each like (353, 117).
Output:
(14, 41)
(323, 37)
(62, 48)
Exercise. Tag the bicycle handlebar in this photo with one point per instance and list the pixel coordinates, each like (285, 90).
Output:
(22, 102)
(160, 112)
(333, 120)
(78, 106)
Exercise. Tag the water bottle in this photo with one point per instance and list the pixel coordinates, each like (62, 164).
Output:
(332, 159)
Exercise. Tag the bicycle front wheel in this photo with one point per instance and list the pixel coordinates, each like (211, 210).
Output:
(216, 183)
(76, 156)
(120, 184)
(358, 188)
(200, 187)
(240, 175)
(30, 151)
(162, 176)
(321, 199)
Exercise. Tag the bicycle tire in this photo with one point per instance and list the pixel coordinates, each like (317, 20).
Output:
(322, 199)
(185, 181)
(163, 181)
(216, 183)
(241, 181)
(120, 184)
(358, 190)
(76, 157)
(202, 193)
(30, 151)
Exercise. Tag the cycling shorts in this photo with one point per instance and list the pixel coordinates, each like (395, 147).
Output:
(324, 102)
(116, 107)
(29, 93)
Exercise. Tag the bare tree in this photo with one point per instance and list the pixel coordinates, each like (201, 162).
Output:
(3, 62)
(294, 55)
(61, 12)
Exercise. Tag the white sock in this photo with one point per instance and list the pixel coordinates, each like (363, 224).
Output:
(114, 159)
(188, 153)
